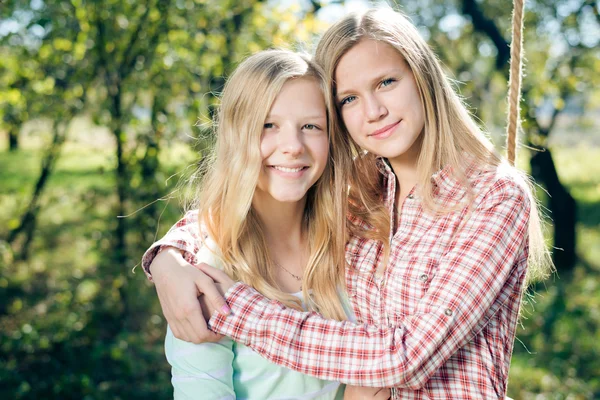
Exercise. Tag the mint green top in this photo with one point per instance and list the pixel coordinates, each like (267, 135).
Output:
(231, 370)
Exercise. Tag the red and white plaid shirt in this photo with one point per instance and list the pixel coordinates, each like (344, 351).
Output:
(439, 323)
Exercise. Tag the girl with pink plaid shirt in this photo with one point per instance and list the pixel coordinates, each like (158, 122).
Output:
(443, 235)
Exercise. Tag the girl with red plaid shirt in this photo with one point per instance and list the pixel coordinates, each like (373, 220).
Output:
(443, 234)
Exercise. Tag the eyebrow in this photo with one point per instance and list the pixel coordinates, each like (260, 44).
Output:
(393, 71)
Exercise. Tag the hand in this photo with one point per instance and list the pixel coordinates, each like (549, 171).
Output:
(178, 285)
(366, 393)
(223, 281)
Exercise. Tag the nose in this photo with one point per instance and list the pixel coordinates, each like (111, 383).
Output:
(374, 109)
(290, 141)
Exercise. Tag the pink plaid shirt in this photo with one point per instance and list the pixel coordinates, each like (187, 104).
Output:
(439, 323)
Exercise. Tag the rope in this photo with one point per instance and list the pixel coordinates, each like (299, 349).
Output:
(514, 81)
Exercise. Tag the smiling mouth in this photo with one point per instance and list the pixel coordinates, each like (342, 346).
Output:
(385, 129)
(286, 169)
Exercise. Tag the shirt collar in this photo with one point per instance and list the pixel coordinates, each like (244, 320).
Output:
(446, 183)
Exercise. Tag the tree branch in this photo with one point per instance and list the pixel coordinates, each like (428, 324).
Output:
(487, 26)
(129, 56)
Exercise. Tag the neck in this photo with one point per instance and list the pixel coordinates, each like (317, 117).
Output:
(405, 169)
(282, 222)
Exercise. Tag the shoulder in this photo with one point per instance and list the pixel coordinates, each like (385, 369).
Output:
(499, 184)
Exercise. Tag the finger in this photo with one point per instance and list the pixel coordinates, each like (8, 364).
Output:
(216, 274)
(190, 334)
(175, 330)
(195, 327)
(169, 316)
(383, 394)
(211, 337)
(212, 296)
(164, 302)
(185, 330)
(179, 331)
(204, 334)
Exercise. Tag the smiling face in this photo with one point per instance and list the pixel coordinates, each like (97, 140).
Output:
(294, 145)
(379, 101)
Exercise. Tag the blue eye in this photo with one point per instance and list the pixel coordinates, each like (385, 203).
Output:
(347, 100)
(387, 82)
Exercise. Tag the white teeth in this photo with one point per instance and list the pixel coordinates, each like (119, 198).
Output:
(285, 169)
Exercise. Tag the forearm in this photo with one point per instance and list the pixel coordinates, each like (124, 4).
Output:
(360, 355)
(473, 281)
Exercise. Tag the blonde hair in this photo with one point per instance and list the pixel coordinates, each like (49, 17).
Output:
(231, 175)
(449, 129)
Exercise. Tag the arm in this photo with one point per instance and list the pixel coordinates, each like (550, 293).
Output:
(168, 263)
(184, 236)
(200, 371)
(366, 393)
(467, 290)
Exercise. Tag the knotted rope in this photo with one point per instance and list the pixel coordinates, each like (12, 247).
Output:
(514, 81)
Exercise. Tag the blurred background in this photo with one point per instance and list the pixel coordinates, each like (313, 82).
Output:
(105, 109)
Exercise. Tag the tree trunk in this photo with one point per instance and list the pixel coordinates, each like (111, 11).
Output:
(121, 179)
(13, 138)
(118, 263)
(149, 191)
(562, 206)
(26, 227)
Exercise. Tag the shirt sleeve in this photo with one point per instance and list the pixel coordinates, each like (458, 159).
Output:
(184, 235)
(470, 286)
(200, 371)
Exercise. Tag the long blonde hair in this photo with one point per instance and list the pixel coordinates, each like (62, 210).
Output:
(231, 175)
(449, 130)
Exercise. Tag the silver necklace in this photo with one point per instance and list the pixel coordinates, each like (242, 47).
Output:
(296, 277)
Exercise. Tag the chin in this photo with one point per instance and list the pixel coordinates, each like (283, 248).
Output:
(288, 197)
(390, 151)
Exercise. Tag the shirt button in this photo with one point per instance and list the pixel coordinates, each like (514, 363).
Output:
(353, 293)
(424, 277)
(410, 196)
(448, 312)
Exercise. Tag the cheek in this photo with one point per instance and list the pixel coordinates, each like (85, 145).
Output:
(353, 121)
(267, 146)
(321, 149)
(418, 114)
(318, 149)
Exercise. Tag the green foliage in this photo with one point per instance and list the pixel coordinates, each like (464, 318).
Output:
(70, 331)
(558, 352)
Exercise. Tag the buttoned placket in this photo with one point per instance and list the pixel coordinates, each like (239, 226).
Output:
(398, 219)
(395, 220)
(395, 237)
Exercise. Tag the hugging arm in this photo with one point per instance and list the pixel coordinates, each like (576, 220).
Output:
(472, 283)
(170, 264)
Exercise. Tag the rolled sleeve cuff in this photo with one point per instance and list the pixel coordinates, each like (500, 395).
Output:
(161, 245)
(247, 307)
